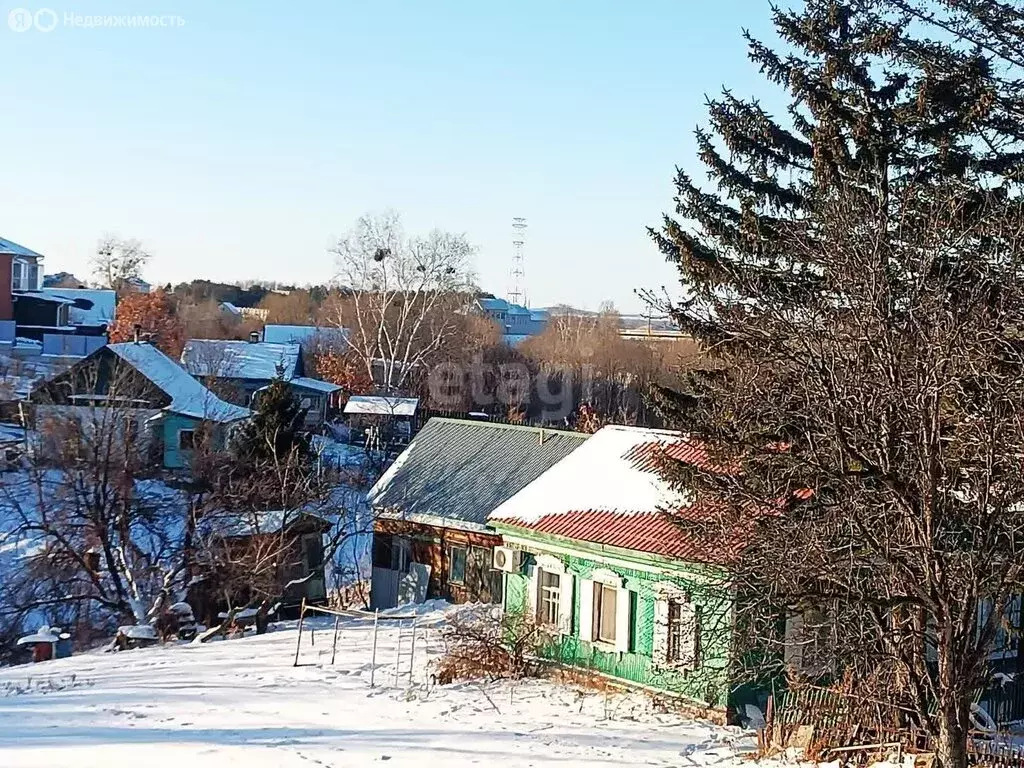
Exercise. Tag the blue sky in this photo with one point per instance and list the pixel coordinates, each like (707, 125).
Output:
(241, 143)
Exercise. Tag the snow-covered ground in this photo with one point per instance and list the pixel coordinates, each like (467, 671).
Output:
(241, 702)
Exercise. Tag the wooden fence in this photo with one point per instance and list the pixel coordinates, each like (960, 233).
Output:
(828, 723)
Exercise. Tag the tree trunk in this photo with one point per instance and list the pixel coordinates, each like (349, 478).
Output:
(262, 619)
(953, 726)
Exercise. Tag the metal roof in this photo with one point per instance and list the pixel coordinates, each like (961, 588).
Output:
(10, 247)
(229, 359)
(455, 472)
(611, 493)
(379, 405)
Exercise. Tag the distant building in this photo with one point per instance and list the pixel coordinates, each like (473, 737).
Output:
(307, 336)
(166, 405)
(62, 280)
(136, 285)
(430, 533)
(517, 322)
(21, 269)
(239, 370)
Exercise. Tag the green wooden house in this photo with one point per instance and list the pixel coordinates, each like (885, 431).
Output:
(163, 406)
(621, 589)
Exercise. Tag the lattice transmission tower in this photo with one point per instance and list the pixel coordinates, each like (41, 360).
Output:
(515, 291)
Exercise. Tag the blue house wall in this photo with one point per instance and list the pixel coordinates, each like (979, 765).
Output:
(173, 423)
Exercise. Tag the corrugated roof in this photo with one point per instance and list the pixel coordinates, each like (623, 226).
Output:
(455, 472)
(11, 247)
(303, 334)
(88, 306)
(314, 384)
(229, 359)
(188, 396)
(610, 492)
(378, 405)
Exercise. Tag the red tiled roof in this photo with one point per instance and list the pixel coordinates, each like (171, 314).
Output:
(654, 533)
(625, 514)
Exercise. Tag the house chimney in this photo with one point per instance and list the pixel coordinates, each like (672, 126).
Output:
(254, 337)
(540, 434)
(138, 331)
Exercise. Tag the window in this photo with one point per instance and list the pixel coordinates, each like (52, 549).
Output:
(548, 597)
(457, 565)
(605, 599)
(676, 641)
(313, 551)
(681, 633)
(391, 552)
(186, 439)
(17, 270)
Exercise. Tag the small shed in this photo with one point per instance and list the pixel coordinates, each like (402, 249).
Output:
(47, 643)
(382, 420)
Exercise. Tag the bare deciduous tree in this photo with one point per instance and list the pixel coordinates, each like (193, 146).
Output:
(118, 261)
(399, 294)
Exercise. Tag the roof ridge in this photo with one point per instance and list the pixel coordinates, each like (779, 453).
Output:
(645, 430)
(503, 425)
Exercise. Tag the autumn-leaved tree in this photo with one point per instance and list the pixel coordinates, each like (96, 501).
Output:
(343, 369)
(153, 313)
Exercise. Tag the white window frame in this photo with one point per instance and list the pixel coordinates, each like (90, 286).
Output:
(687, 655)
(451, 562)
(600, 580)
(552, 565)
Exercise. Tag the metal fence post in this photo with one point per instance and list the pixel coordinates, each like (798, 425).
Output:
(298, 640)
(398, 652)
(373, 655)
(412, 652)
(334, 648)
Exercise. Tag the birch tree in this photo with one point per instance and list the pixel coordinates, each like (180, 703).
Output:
(399, 295)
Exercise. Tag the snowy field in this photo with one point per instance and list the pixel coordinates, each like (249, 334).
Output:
(242, 703)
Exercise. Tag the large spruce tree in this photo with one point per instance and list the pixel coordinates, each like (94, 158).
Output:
(853, 269)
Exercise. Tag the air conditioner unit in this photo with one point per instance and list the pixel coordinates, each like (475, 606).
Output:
(506, 559)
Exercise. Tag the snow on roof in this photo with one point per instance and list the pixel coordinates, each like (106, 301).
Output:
(302, 334)
(188, 396)
(454, 471)
(240, 359)
(382, 406)
(609, 491)
(88, 306)
(40, 296)
(243, 524)
(227, 305)
(315, 384)
(44, 635)
(12, 248)
(493, 305)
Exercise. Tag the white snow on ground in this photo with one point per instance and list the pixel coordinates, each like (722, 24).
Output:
(242, 703)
